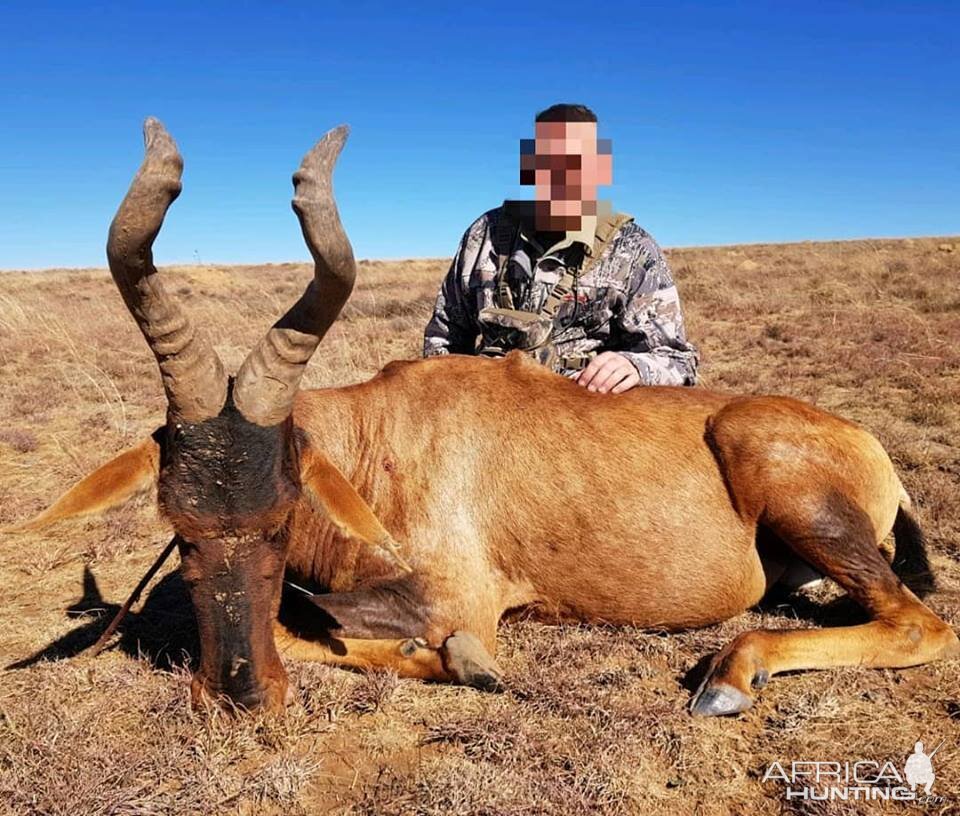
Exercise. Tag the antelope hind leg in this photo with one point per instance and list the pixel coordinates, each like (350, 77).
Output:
(911, 636)
(903, 632)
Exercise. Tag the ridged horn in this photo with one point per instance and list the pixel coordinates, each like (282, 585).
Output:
(269, 378)
(193, 376)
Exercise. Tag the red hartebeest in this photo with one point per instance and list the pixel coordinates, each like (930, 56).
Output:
(714, 499)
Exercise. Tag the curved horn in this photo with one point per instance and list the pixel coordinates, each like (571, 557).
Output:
(270, 376)
(193, 377)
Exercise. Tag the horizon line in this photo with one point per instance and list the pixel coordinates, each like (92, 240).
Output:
(438, 258)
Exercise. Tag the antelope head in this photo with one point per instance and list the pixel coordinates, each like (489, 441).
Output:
(230, 470)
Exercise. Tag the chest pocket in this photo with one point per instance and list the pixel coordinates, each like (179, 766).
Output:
(587, 308)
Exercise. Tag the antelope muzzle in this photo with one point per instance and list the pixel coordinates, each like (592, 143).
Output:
(228, 486)
(234, 585)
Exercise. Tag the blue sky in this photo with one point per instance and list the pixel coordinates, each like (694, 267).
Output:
(736, 122)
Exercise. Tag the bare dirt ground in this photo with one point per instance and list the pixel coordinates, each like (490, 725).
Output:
(594, 719)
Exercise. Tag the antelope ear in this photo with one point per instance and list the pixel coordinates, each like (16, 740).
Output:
(110, 485)
(331, 493)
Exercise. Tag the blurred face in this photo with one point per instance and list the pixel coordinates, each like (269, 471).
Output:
(566, 163)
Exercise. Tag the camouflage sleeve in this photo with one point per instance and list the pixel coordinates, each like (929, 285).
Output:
(451, 329)
(652, 334)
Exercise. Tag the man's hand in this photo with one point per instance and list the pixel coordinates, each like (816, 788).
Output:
(609, 372)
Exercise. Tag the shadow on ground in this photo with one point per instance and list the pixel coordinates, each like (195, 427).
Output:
(163, 631)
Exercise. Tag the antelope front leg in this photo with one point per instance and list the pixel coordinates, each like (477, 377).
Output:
(386, 627)
(408, 657)
(461, 659)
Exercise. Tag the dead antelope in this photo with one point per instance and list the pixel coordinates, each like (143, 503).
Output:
(488, 473)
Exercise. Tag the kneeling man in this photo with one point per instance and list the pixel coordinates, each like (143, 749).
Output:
(584, 290)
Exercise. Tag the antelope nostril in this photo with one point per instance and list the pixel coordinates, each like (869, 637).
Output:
(249, 699)
(272, 697)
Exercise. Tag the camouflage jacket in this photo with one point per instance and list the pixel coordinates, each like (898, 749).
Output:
(626, 300)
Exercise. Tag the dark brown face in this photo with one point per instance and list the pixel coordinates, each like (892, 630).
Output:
(228, 486)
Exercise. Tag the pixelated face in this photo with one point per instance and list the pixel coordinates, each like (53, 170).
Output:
(566, 163)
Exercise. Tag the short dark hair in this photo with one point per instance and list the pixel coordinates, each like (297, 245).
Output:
(566, 112)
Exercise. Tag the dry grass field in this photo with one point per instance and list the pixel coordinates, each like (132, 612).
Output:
(594, 719)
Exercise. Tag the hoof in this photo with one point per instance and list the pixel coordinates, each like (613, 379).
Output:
(470, 663)
(718, 700)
